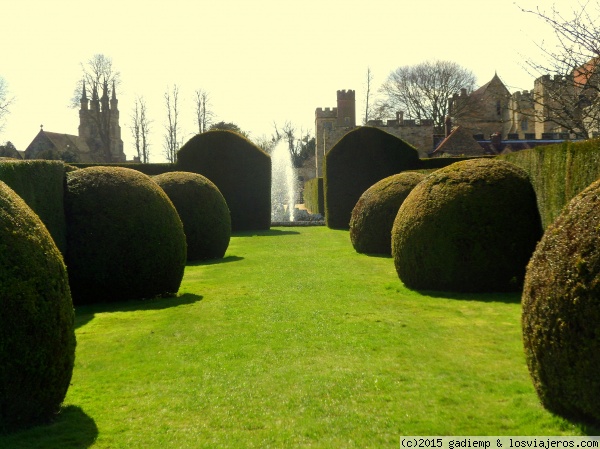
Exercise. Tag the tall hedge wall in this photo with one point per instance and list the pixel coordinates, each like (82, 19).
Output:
(314, 199)
(40, 184)
(559, 172)
(436, 163)
(240, 170)
(362, 157)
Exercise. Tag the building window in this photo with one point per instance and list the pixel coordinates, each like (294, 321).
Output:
(524, 124)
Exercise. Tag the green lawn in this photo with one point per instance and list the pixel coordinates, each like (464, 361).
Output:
(295, 340)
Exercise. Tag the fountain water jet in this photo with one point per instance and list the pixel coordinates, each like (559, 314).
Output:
(283, 184)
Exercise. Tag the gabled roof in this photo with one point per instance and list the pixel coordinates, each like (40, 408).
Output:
(494, 82)
(460, 142)
(46, 140)
(67, 141)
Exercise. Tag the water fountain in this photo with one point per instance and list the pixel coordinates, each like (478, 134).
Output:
(284, 186)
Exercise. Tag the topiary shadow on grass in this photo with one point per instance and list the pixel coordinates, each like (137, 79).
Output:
(85, 313)
(71, 429)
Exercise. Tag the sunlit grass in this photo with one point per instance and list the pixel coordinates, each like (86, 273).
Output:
(295, 340)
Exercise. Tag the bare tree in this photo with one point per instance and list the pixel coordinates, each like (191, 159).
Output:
(144, 132)
(567, 92)
(140, 127)
(97, 70)
(204, 114)
(172, 144)
(5, 102)
(368, 105)
(300, 147)
(98, 73)
(422, 90)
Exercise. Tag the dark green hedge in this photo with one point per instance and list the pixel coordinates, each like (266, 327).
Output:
(559, 172)
(358, 160)
(436, 163)
(314, 198)
(373, 215)
(561, 310)
(125, 239)
(147, 169)
(469, 227)
(203, 211)
(37, 336)
(41, 185)
(240, 170)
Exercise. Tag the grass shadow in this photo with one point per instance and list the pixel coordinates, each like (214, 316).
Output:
(378, 255)
(501, 297)
(226, 259)
(72, 429)
(265, 233)
(85, 313)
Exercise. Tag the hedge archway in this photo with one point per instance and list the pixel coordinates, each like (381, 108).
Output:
(240, 170)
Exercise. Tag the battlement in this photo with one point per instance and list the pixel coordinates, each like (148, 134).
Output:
(346, 95)
(326, 113)
(525, 95)
(400, 123)
(549, 80)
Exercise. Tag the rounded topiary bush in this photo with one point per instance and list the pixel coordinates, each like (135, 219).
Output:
(240, 170)
(37, 336)
(561, 310)
(373, 216)
(203, 211)
(469, 227)
(125, 239)
(358, 160)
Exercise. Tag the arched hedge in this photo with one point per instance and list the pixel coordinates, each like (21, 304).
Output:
(37, 336)
(469, 227)
(374, 214)
(358, 160)
(561, 310)
(240, 170)
(125, 239)
(203, 212)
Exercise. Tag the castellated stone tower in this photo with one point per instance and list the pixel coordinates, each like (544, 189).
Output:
(346, 109)
(332, 123)
(549, 97)
(99, 124)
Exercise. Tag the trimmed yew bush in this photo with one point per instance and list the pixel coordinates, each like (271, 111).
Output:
(37, 336)
(240, 170)
(125, 239)
(358, 160)
(203, 211)
(373, 215)
(561, 310)
(469, 227)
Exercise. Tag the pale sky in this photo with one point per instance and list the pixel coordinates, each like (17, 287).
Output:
(261, 61)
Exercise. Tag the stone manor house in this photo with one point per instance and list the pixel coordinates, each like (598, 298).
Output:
(99, 137)
(487, 121)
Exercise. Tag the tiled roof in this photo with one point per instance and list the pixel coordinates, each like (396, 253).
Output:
(460, 142)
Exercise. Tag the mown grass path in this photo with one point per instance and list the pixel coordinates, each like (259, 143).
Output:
(295, 340)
